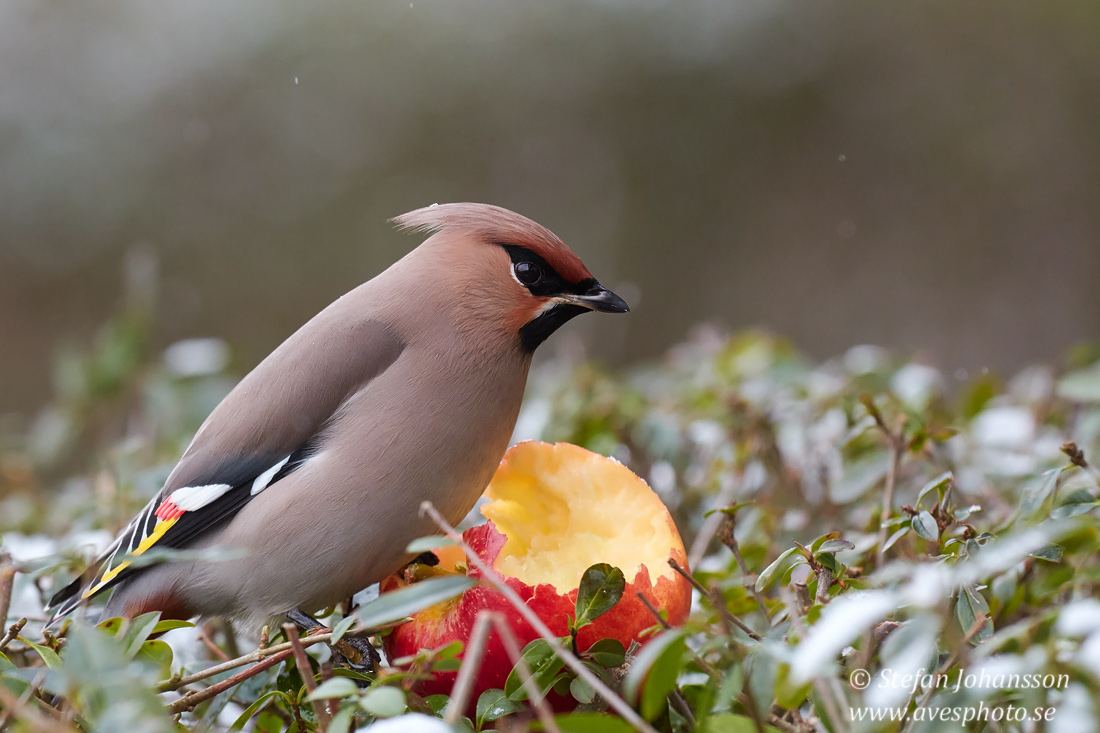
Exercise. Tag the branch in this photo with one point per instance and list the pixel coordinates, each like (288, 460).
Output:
(306, 671)
(255, 656)
(190, 701)
(546, 715)
(13, 632)
(714, 595)
(7, 580)
(475, 650)
(471, 661)
(727, 538)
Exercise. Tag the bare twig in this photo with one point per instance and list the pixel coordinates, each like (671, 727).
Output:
(895, 441)
(978, 625)
(802, 595)
(475, 650)
(302, 661)
(190, 701)
(511, 646)
(824, 582)
(783, 725)
(676, 698)
(703, 664)
(831, 697)
(678, 701)
(896, 444)
(714, 595)
(656, 614)
(727, 537)
(13, 631)
(7, 580)
(255, 656)
(211, 646)
(613, 700)
(471, 662)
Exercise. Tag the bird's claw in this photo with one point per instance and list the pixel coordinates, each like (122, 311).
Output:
(356, 653)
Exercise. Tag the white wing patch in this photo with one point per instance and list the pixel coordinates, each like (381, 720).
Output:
(264, 478)
(190, 498)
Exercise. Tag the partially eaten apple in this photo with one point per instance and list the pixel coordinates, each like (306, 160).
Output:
(554, 511)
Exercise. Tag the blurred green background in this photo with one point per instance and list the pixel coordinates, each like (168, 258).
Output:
(923, 176)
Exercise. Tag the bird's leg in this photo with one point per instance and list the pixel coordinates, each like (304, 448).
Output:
(352, 652)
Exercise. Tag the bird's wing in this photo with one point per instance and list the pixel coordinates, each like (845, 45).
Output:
(266, 428)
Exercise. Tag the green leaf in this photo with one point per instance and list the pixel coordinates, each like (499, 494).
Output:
(159, 654)
(607, 652)
(335, 687)
(340, 722)
(816, 544)
(937, 484)
(765, 577)
(835, 546)
(170, 624)
(589, 723)
(581, 691)
(788, 694)
(110, 626)
(925, 526)
(383, 701)
(342, 628)
(969, 604)
(1051, 553)
(963, 513)
(601, 587)
(493, 704)
(447, 657)
(654, 671)
(49, 656)
(544, 665)
(1079, 501)
(138, 630)
(1034, 496)
(424, 544)
(730, 723)
(403, 602)
(729, 511)
(261, 701)
(895, 537)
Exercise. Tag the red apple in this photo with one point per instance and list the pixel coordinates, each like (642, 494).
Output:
(554, 511)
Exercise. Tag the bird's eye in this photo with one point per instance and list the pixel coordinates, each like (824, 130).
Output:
(528, 273)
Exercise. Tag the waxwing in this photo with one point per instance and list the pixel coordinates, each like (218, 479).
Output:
(310, 473)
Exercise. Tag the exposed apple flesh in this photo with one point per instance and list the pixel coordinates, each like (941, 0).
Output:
(554, 511)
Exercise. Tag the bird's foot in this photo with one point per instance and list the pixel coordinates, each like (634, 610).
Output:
(353, 652)
(356, 653)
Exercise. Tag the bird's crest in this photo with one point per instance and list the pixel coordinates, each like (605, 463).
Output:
(497, 225)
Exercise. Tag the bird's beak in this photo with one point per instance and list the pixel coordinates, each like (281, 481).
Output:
(597, 298)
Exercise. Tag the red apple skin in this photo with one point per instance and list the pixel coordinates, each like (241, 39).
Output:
(454, 620)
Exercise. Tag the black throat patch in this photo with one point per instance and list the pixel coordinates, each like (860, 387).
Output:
(537, 330)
